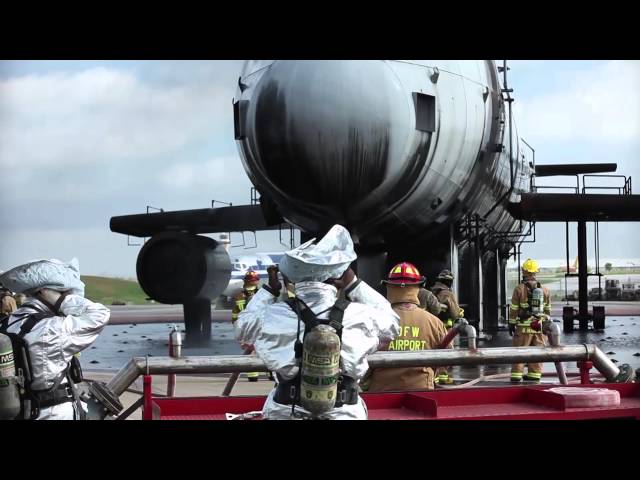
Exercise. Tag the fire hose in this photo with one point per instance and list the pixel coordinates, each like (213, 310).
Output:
(460, 326)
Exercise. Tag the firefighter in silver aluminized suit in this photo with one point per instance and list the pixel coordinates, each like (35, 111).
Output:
(69, 324)
(318, 271)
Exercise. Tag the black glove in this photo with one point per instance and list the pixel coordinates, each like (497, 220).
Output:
(274, 283)
(512, 329)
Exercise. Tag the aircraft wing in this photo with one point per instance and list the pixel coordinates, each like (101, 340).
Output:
(206, 220)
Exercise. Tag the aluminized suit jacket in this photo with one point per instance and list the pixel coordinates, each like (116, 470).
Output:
(53, 341)
(271, 327)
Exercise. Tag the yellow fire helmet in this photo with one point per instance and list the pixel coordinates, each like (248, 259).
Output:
(530, 266)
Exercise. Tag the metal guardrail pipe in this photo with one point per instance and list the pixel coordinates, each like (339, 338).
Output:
(604, 365)
(127, 375)
(461, 327)
(434, 358)
(470, 333)
(482, 356)
(233, 379)
(552, 330)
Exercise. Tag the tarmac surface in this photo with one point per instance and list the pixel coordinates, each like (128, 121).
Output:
(139, 314)
(592, 282)
(127, 314)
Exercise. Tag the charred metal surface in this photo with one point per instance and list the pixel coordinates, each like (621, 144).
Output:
(339, 142)
(371, 267)
(583, 291)
(175, 267)
(339, 165)
(505, 296)
(197, 321)
(205, 220)
(432, 256)
(491, 290)
(574, 169)
(470, 290)
(562, 207)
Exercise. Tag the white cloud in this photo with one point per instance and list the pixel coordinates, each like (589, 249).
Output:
(188, 175)
(103, 114)
(99, 251)
(600, 104)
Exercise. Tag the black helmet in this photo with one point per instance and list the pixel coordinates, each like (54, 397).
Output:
(445, 275)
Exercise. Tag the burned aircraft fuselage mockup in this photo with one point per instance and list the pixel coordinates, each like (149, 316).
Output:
(393, 150)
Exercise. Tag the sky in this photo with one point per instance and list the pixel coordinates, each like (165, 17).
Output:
(82, 141)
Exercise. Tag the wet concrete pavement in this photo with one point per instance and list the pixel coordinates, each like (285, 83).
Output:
(158, 313)
(119, 343)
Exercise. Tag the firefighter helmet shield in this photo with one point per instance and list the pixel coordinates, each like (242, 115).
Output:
(403, 274)
(530, 266)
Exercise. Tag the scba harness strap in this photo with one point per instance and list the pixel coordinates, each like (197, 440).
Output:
(288, 391)
(311, 320)
(526, 310)
(35, 400)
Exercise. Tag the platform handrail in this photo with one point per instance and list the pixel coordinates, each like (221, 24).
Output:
(624, 189)
(434, 358)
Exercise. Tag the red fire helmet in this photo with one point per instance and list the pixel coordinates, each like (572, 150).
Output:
(251, 277)
(403, 274)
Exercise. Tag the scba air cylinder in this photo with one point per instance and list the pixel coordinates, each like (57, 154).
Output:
(537, 301)
(320, 370)
(9, 390)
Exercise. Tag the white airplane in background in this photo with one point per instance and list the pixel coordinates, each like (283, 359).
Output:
(241, 264)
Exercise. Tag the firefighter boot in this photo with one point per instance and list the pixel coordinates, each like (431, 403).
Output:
(532, 377)
(443, 378)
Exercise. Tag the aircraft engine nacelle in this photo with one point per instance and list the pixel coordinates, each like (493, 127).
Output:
(177, 267)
